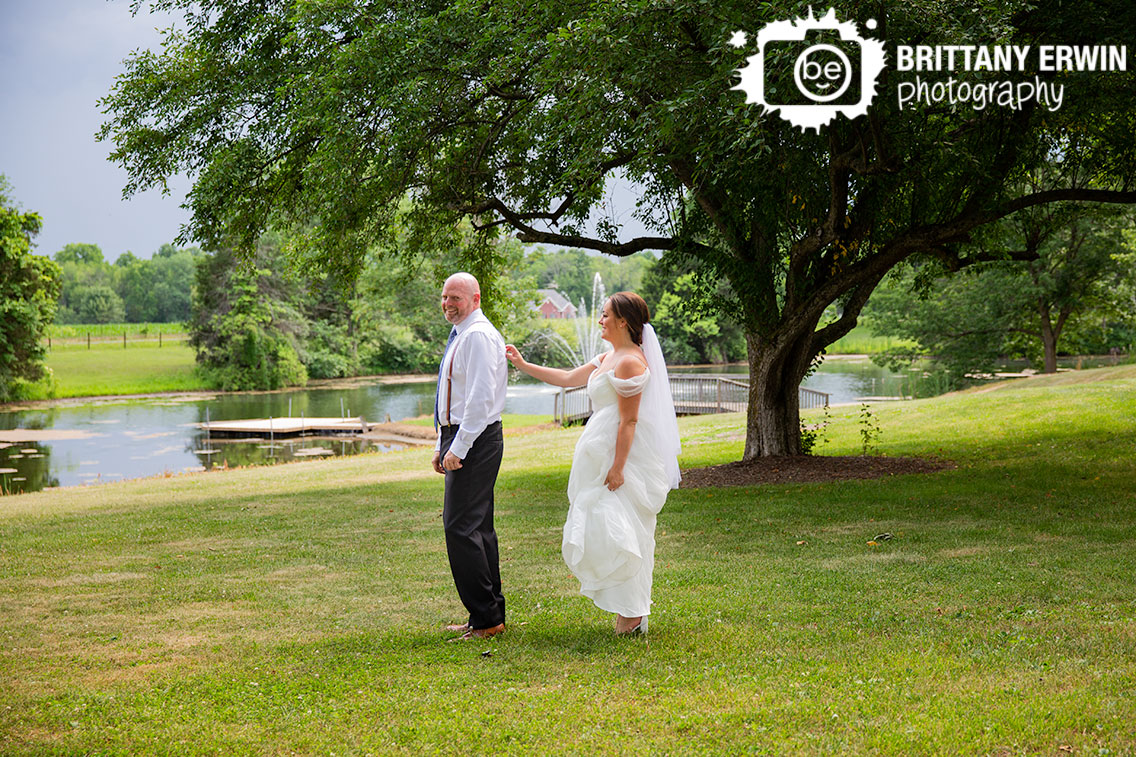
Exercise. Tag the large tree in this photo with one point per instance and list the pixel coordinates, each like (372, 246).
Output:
(80, 252)
(29, 288)
(515, 113)
(87, 287)
(246, 326)
(158, 289)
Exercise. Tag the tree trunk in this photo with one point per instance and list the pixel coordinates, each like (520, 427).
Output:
(1049, 345)
(776, 368)
(1049, 335)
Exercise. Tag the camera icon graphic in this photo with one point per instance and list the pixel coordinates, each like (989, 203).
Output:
(811, 69)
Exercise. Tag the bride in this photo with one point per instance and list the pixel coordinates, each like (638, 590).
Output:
(624, 465)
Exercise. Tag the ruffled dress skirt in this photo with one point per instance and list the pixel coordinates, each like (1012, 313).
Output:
(609, 537)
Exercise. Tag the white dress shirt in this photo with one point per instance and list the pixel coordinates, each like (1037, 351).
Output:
(477, 382)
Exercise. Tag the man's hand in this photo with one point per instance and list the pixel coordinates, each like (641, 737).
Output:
(436, 461)
(451, 461)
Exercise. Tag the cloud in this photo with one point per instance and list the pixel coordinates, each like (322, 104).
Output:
(60, 57)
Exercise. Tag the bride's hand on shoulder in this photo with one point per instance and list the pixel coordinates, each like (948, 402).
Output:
(614, 479)
(513, 355)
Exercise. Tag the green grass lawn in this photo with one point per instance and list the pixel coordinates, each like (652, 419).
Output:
(108, 368)
(861, 341)
(297, 609)
(114, 331)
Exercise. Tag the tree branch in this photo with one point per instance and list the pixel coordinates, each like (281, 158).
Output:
(1057, 195)
(934, 239)
(711, 203)
(530, 235)
(496, 205)
(847, 321)
(619, 249)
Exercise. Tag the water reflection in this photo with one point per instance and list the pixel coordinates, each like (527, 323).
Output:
(25, 467)
(233, 453)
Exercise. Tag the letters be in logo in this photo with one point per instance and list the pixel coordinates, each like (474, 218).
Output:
(811, 69)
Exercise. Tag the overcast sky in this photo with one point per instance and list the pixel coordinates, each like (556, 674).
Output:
(58, 57)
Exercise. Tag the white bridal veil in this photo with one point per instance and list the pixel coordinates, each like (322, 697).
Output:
(658, 405)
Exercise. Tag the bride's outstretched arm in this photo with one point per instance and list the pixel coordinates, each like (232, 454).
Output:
(555, 376)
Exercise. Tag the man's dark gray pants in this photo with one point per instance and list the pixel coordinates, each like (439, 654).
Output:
(467, 516)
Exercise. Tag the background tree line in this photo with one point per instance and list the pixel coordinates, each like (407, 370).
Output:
(131, 290)
(265, 323)
(384, 322)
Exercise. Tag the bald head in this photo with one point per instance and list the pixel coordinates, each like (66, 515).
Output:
(464, 279)
(461, 295)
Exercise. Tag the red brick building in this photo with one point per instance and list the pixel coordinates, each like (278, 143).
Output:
(555, 305)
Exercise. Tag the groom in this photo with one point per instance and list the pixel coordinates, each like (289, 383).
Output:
(467, 411)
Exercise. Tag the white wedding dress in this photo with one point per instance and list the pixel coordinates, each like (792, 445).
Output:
(609, 537)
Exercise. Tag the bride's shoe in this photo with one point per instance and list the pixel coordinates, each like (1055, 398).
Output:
(639, 629)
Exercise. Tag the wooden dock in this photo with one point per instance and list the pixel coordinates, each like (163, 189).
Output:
(262, 427)
(285, 428)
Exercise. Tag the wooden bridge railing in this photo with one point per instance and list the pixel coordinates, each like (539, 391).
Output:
(810, 398)
(693, 395)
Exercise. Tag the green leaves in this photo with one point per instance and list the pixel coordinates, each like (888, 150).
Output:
(29, 288)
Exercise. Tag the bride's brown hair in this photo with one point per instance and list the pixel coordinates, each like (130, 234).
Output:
(633, 309)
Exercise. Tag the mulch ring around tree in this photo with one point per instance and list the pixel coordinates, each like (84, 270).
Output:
(803, 469)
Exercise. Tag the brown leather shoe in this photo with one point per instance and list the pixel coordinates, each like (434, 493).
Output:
(481, 633)
(458, 628)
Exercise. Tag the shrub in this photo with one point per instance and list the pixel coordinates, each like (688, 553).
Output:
(394, 348)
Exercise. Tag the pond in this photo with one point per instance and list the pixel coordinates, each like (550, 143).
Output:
(73, 443)
(844, 379)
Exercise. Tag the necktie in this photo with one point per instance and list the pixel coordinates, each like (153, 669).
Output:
(438, 386)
